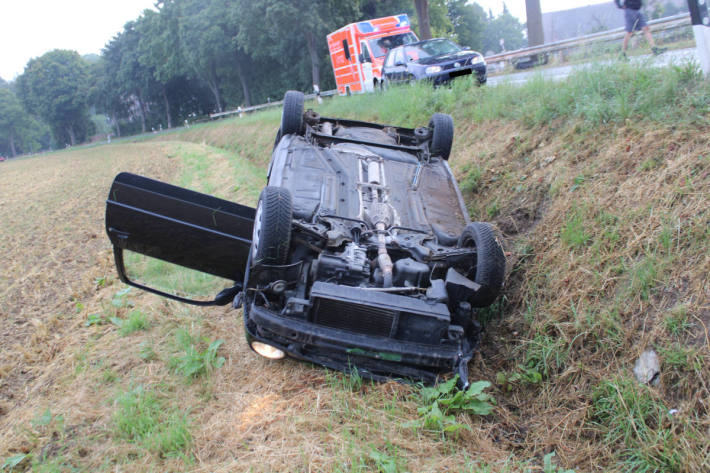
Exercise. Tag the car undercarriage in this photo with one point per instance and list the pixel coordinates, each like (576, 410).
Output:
(361, 257)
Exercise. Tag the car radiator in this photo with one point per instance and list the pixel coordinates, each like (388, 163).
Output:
(360, 310)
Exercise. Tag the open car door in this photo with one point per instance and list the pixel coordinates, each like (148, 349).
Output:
(179, 226)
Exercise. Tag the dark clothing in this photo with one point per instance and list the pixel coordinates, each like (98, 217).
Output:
(634, 20)
(628, 4)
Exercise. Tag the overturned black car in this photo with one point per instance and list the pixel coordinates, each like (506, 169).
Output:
(359, 256)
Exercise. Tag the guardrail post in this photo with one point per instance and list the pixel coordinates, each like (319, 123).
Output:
(700, 18)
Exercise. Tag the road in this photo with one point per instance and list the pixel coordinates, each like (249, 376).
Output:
(678, 56)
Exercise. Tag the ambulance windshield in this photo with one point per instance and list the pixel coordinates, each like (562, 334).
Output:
(380, 46)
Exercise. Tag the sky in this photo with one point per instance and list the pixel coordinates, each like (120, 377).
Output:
(30, 28)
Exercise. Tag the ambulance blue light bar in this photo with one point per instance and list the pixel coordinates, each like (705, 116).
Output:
(402, 20)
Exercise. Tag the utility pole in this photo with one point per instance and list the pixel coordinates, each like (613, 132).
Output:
(536, 35)
(700, 17)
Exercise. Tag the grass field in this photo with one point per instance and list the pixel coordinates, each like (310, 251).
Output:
(600, 186)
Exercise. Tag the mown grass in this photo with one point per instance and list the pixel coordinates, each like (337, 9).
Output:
(597, 183)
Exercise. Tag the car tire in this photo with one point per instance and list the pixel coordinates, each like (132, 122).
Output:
(292, 113)
(490, 262)
(442, 127)
(272, 226)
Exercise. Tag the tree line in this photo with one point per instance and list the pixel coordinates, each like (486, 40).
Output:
(189, 58)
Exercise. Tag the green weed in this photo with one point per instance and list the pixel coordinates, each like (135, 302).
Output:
(94, 319)
(629, 416)
(523, 375)
(13, 462)
(650, 164)
(443, 401)
(100, 282)
(143, 419)
(546, 355)
(493, 209)
(146, 351)
(548, 467)
(194, 362)
(389, 460)
(47, 419)
(119, 299)
(643, 276)
(676, 322)
(577, 183)
(351, 381)
(679, 358)
(136, 320)
(109, 376)
(472, 178)
(608, 236)
(53, 465)
(574, 234)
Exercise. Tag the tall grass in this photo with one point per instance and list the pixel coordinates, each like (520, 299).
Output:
(595, 95)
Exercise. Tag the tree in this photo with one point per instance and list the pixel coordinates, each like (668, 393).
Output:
(54, 86)
(206, 34)
(439, 22)
(506, 27)
(378, 8)
(302, 25)
(159, 48)
(422, 7)
(469, 23)
(129, 83)
(13, 120)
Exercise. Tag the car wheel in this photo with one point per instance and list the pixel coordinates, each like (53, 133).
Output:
(292, 114)
(442, 127)
(489, 265)
(272, 226)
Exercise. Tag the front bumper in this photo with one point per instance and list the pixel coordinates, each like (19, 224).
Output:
(373, 357)
(448, 74)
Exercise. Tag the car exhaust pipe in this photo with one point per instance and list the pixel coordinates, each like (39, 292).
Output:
(383, 259)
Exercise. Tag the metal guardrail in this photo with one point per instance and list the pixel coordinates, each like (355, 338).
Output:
(661, 24)
(669, 23)
(262, 106)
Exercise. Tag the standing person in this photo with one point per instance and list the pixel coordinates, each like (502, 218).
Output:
(635, 21)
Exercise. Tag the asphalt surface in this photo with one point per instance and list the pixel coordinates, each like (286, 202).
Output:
(678, 56)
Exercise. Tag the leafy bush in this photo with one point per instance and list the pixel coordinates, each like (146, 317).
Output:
(444, 401)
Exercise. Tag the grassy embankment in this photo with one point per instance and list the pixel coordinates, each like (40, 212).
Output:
(599, 185)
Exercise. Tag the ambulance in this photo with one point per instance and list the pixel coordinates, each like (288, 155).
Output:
(358, 50)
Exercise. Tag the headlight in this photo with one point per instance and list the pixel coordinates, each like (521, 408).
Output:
(267, 351)
(478, 60)
(433, 69)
